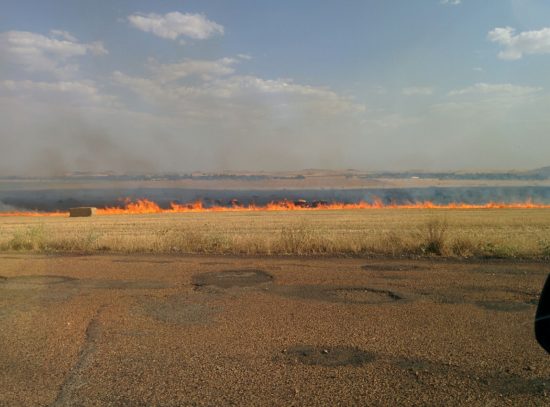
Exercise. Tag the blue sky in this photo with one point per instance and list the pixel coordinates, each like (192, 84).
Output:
(210, 85)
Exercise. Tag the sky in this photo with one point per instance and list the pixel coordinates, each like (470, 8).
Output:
(210, 85)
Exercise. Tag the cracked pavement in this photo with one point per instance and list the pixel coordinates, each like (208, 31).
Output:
(170, 331)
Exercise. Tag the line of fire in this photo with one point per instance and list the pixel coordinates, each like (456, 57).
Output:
(145, 206)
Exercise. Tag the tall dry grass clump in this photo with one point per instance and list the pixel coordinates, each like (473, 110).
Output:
(32, 238)
(435, 237)
(464, 247)
(299, 239)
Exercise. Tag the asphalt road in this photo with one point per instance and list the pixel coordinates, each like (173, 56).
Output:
(171, 331)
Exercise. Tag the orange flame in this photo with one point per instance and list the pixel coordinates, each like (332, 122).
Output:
(145, 206)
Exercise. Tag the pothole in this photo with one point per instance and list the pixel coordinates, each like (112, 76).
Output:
(508, 270)
(392, 267)
(497, 299)
(513, 385)
(504, 383)
(146, 261)
(504, 306)
(214, 263)
(34, 281)
(179, 310)
(330, 356)
(232, 278)
(125, 285)
(350, 295)
(417, 364)
(364, 295)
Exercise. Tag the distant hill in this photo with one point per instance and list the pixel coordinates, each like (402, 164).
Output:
(536, 174)
(539, 173)
(317, 175)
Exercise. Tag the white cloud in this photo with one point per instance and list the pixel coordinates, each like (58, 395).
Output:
(96, 48)
(63, 35)
(505, 89)
(417, 91)
(524, 43)
(205, 69)
(37, 52)
(324, 100)
(175, 24)
(63, 87)
(451, 2)
(238, 96)
(387, 120)
(78, 92)
(486, 102)
(220, 88)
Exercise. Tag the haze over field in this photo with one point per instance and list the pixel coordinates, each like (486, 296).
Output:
(209, 85)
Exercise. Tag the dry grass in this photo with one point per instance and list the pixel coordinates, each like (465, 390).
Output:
(393, 233)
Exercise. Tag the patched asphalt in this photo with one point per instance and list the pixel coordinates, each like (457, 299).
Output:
(170, 331)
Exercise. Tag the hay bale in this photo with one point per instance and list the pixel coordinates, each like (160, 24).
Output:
(81, 212)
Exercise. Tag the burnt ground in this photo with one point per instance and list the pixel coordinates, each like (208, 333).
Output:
(166, 331)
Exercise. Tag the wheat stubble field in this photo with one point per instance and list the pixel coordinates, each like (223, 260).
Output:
(492, 233)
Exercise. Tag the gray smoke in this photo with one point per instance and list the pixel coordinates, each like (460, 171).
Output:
(63, 199)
